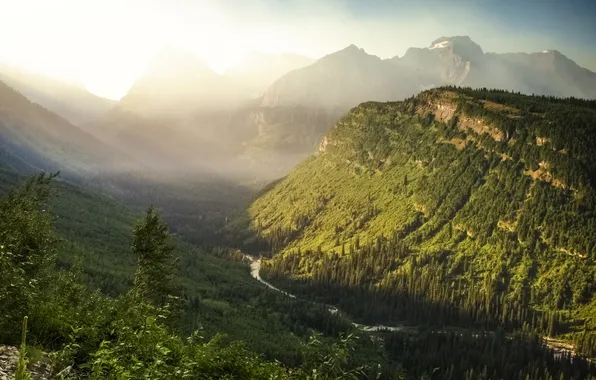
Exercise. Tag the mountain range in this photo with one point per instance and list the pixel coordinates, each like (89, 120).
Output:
(68, 100)
(33, 138)
(181, 115)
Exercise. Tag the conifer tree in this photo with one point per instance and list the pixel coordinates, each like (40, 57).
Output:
(156, 265)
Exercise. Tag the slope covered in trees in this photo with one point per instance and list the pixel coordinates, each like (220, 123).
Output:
(454, 207)
(139, 334)
(92, 235)
(48, 275)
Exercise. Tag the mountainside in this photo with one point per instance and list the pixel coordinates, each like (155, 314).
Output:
(339, 80)
(177, 83)
(96, 230)
(448, 60)
(350, 76)
(73, 103)
(343, 79)
(544, 73)
(211, 302)
(480, 203)
(181, 115)
(277, 138)
(460, 61)
(176, 117)
(33, 138)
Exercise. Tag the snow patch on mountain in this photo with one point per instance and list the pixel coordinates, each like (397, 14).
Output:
(440, 45)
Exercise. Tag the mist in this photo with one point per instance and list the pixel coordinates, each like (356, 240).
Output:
(244, 91)
(114, 41)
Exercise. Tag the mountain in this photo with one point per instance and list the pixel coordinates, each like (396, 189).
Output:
(176, 115)
(33, 138)
(298, 109)
(72, 102)
(454, 207)
(350, 76)
(546, 73)
(177, 83)
(343, 79)
(257, 71)
(339, 81)
(182, 115)
(448, 60)
(280, 137)
(460, 61)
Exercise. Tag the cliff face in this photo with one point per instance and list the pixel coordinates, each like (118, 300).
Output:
(340, 81)
(283, 136)
(448, 60)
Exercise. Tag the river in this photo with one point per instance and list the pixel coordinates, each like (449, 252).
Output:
(560, 347)
(255, 268)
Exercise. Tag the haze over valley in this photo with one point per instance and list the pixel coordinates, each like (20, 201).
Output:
(339, 186)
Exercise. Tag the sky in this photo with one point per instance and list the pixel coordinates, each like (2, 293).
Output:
(105, 44)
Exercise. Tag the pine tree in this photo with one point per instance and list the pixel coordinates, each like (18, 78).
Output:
(154, 279)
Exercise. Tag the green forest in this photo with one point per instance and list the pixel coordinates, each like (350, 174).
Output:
(164, 326)
(455, 208)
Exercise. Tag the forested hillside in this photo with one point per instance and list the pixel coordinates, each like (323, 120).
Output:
(455, 207)
(167, 320)
(92, 235)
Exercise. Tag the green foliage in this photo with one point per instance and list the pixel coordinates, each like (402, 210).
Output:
(93, 250)
(458, 206)
(127, 336)
(465, 355)
(26, 251)
(146, 349)
(328, 361)
(156, 265)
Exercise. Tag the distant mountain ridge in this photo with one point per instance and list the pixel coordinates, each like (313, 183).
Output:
(338, 80)
(267, 136)
(181, 114)
(70, 101)
(33, 138)
(350, 76)
(178, 83)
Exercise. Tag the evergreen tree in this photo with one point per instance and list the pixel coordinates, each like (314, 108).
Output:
(154, 280)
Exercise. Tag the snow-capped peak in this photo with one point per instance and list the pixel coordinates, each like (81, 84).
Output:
(440, 45)
(546, 51)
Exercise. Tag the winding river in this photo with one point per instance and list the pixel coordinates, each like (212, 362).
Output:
(255, 268)
(560, 347)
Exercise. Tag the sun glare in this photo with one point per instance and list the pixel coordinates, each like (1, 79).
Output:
(106, 45)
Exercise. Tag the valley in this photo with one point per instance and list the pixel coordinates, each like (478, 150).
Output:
(249, 213)
(560, 348)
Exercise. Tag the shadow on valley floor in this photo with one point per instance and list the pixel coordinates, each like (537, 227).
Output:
(195, 208)
(237, 233)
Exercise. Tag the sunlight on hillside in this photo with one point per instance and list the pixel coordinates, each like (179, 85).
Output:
(297, 190)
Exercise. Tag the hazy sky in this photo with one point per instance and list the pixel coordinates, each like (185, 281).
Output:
(106, 43)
